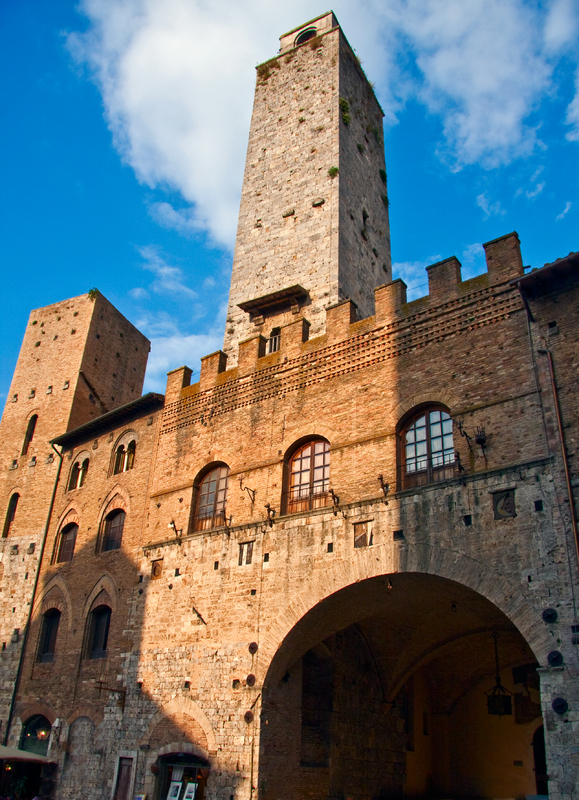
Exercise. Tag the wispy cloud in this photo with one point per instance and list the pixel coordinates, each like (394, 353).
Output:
(414, 275)
(177, 81)
(565, 211)
(489, 209)
(536, 191)
(168, 279)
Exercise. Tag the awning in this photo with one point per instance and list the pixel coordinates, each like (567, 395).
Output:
(14, 754)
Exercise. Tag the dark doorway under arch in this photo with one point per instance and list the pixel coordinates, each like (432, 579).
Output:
(381, 691)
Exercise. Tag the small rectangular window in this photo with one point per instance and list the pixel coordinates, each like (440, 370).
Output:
(538, 505)
(245, 553)
(362, 534)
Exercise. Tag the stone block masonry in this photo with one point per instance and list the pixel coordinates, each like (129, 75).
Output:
(314, 207)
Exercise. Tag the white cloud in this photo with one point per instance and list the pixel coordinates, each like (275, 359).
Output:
(565, 211)
(572, 118)
(177, 81)
(536, 191)
(490, 209)
(168, 279)
(414, 275)
(561, 25)
(170, 352)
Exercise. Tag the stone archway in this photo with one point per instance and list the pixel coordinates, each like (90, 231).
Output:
(378, 690)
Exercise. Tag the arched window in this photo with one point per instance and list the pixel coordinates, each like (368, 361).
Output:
(212, 499)
(274, 340)
(10, 514)
(130, 457)
(29, 433)
(98, 632)
(119, 459)
(309, 477)
(48, 634)
(78, 474)
(125, 457)
(113, 529)
(427, 448)
(35, 735)
(67, 542)
(305, 36)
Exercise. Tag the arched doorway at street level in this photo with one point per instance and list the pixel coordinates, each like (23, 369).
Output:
(381, 690)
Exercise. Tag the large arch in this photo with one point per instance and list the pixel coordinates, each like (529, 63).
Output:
(375, 681)
(381, 560)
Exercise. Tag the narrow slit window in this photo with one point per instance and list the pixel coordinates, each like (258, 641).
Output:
(10, 514)
(29, 434)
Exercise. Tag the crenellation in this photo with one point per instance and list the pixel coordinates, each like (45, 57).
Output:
(503, 255)
(211, 367)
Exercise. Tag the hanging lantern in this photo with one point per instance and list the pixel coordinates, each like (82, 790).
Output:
(499, 699)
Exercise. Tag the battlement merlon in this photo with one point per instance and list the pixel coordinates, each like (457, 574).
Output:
(504, 267)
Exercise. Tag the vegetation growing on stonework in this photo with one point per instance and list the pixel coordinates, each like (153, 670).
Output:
(345, 108)
(383, 175)
(361, 147)
(333, 171)
(93, 293)
(385, 200)
(264, 70)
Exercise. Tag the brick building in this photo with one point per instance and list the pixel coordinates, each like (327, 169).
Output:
(342, 564)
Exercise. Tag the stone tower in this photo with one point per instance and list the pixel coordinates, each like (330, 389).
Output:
(79, 359)
(313, 224)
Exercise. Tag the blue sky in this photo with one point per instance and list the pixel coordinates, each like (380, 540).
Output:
(124, 129)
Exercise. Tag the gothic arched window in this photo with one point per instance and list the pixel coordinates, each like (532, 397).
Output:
(113, 530)
(48, 634)
(98, 632)
(212, 499)
(67, 542)
(309, 477)
(427, 448)
(78, 474)
(125, 457)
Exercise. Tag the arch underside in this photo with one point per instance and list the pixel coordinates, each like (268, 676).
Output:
(380, 686)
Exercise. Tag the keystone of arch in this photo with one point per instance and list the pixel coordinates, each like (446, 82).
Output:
(191, 709)
(437, 561)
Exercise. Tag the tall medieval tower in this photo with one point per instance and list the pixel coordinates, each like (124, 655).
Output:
(313, 224)
(80, 358)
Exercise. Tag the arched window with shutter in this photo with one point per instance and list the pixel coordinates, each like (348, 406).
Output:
(211, 501)
(113, 526)
(99, 621)
(66, 543)
(48, 634)
(308, 479)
